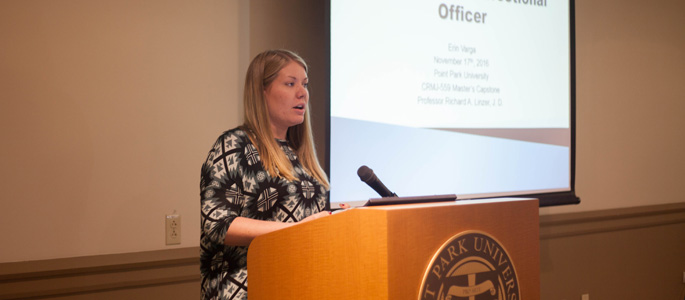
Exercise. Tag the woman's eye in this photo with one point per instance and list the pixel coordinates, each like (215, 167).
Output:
(306, 85)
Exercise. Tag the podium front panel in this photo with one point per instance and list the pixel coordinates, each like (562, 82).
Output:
(384, 253)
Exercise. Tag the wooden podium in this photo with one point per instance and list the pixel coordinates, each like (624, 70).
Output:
(385, 252)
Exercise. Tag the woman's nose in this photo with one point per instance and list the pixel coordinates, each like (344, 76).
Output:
(302, 91)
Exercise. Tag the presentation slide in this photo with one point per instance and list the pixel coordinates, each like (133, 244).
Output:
(464, 97)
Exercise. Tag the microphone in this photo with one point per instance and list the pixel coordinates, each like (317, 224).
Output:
(367, 175)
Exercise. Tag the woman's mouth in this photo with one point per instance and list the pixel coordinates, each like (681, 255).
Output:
(299, 108)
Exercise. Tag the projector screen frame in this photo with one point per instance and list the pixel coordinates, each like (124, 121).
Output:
(545, 199)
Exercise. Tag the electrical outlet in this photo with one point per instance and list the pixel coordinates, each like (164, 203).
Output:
(585, 297)
(173, 229)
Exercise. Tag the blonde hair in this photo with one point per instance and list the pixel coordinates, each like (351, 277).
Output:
(262, 71)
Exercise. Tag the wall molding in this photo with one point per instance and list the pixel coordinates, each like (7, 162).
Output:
(101, 273)
(92, 274)
(604, 221)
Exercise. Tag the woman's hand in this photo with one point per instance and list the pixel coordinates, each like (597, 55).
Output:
(316, 216)
(243, 230)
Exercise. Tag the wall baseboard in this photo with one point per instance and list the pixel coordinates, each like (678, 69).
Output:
(115, 272)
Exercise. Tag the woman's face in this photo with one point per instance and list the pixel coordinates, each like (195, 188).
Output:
(286, 98)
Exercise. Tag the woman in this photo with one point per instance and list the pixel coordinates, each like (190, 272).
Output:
(259, 177)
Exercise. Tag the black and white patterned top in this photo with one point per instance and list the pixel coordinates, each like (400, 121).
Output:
(235, 184)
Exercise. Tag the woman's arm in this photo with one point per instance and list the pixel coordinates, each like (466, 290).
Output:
(242, 230)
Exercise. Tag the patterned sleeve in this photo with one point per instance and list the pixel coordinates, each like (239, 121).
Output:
(220, 182)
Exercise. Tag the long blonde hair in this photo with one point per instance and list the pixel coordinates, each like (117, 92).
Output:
(262, 71)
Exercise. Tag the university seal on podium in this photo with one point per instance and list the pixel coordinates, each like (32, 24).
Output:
(471, 265)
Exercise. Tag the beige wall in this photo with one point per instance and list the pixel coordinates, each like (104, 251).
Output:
(108, 109)
(630, 92)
